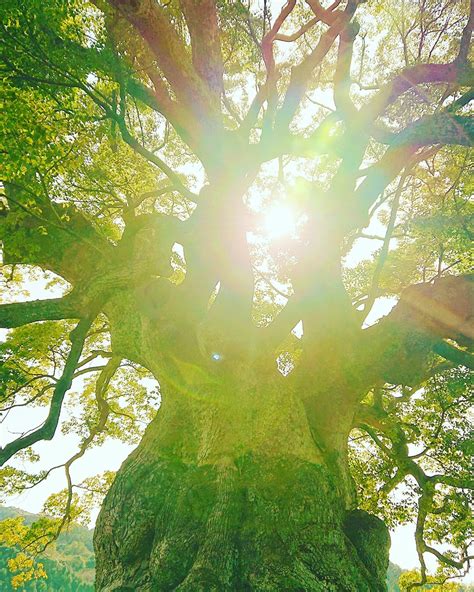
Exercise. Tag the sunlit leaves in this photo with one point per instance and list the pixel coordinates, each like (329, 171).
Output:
(14, 480)
(132, 397)
(433, 228)
(436, 583)
(29, 540)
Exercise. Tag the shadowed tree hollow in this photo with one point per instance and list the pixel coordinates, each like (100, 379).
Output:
(198, 175)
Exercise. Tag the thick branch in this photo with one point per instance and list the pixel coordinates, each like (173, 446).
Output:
(48, 429)
(54, 309)
(453, 73)
(455, 355)
(301, 74)
(157, 98)
(342, 76)
(465, 42)
(401, 344)
(326, 15)
(148, 97)
(281, 326)
(201, 18)
(442, 128)
(443, 309)
(457, 72)
(151, 22)
(269, 90)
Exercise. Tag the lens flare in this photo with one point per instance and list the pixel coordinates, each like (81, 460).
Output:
(279, 221)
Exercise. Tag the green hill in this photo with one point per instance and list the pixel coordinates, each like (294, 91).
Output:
(69, 565)
(393, 573)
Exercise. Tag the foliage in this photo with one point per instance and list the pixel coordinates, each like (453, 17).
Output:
(67, 566)
(32, 544)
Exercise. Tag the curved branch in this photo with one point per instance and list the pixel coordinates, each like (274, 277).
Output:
(103, 407)
(152, 24)
(371, 418)
(156, 160)
(326, 15)
(301, 74)
(382, 258)
(48, 429)
(297, 34)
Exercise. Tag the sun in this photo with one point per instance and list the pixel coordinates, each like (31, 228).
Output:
(279, 221)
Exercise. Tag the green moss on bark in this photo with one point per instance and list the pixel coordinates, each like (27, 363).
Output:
(259, 524)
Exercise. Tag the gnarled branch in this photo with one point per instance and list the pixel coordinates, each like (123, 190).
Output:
(48, 429)
(402, 342)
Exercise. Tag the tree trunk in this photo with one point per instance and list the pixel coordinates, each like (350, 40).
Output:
(229, 490)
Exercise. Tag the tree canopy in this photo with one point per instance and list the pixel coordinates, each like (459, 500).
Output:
(193, 180)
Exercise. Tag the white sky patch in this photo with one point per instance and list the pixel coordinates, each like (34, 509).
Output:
(382, 306)
(91, 79)
(178, 249)
(364, 248)
(298, 330)
(403, 552)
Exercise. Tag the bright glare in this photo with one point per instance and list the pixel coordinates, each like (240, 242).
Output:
(279, 221)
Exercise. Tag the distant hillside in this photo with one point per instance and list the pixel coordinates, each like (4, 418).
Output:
(70, 567)
(393, 573)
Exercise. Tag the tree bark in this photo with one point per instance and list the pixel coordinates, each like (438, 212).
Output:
(229, 490)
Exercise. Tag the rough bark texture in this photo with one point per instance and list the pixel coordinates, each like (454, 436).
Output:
(235, 495)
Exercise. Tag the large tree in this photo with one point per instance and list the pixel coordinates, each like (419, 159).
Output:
(142, 143)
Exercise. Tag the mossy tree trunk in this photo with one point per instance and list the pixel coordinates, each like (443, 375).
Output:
(229, 490)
